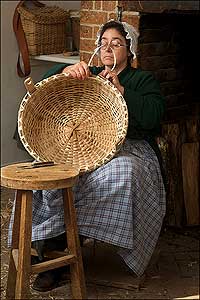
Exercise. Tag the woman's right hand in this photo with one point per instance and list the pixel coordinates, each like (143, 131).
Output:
(80, 71)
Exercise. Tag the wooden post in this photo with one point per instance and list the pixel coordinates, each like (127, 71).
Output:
(76, 269)
(190, 171)
(24, 258)
(175, 203)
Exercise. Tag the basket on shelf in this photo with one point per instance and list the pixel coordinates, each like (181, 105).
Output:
(79, 122)
(44, 28)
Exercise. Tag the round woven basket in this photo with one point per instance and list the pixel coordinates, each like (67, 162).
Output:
(79, 122)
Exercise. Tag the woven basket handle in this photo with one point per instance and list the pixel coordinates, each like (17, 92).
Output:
(21, 40)
(29, 84)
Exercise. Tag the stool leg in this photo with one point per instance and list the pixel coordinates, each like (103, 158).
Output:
(24, 258)
(12, 272)
(76, 269)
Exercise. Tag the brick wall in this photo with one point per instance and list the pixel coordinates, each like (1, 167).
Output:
(164, 48)
(93, 14)
(159, 51)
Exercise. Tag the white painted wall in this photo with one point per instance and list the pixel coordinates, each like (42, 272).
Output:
(12, 86)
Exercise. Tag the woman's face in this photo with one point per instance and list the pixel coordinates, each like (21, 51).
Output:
(106, 54)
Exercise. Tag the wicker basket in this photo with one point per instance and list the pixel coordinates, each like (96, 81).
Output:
(45, 29)
(65, 120)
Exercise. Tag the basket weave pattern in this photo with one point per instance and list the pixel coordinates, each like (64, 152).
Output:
(45, 29)
(82, 123)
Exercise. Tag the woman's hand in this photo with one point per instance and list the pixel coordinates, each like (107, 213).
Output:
(80, 70)
(112, 77)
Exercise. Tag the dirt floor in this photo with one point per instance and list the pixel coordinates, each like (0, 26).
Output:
(173, 272)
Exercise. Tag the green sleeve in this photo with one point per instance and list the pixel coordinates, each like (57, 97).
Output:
(145, 103)
(59, 67)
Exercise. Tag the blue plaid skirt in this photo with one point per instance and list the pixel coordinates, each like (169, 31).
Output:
(121, 203)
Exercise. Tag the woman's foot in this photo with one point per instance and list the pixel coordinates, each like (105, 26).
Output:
(49, 280)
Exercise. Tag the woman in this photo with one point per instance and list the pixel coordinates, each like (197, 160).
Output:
(123, 201)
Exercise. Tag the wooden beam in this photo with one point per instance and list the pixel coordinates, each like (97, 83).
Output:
(159, 6)
(190, 172)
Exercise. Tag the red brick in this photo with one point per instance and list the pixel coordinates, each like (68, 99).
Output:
(98, 5)
(85, 56)
(112, 16)
(131, 19)
(88, 17)
(86, 31)
(95, 30)
(109, 5)
(86, 5)
(130, 5)
(87, 45)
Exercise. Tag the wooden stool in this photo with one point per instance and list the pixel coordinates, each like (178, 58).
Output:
(24, 178)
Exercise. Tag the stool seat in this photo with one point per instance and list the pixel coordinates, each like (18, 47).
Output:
(25, 177)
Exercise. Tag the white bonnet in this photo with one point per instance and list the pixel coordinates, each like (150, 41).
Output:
(132, 34)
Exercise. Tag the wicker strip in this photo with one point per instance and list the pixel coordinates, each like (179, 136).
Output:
(82, 123)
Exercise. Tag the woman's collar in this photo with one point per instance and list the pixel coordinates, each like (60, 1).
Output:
(128, 67)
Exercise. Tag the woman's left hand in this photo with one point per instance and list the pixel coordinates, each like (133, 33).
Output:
(112, 77)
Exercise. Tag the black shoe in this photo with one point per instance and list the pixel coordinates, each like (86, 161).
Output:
(34, 260)
(49, 280)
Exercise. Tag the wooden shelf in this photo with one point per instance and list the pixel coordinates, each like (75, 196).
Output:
(60, 58)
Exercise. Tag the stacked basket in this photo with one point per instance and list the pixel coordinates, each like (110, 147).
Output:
(44, 28)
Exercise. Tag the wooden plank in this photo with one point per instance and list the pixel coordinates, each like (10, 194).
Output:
(190, 172)
(11, 281)
(12, 271)
(50, 254)
(174, 134)
(24, 258)
(192, 130)
(15, 254)
(78, 286)
(54, 263)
